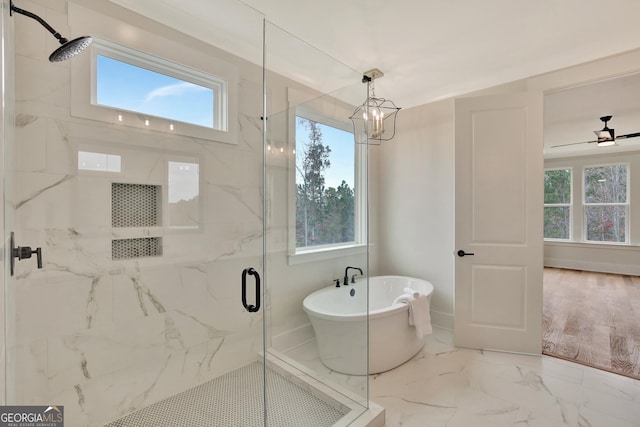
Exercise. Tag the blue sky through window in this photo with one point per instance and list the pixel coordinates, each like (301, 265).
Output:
(128, 87)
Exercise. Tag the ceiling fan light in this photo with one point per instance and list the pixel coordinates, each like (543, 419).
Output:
(606, 142)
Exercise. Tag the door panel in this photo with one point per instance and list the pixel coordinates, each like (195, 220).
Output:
(508, 284)
(490, 183)
(498, 290)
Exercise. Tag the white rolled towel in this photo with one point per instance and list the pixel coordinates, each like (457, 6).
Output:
(419, 315)
(404, 299)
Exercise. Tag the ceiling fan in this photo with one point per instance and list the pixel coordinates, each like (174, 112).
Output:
(605, 136)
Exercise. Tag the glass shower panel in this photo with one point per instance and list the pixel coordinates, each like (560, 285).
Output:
(144, 234)
(316, 217)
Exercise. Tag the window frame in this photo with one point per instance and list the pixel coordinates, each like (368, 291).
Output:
(322, 252)
(223, 82)
(568, 205)
(626, 205)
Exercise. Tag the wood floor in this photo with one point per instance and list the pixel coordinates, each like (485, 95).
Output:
(593, 319)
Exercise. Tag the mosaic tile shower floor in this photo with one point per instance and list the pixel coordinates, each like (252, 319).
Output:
(236, 400)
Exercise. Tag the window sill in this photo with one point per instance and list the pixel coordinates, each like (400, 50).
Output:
(326, 253)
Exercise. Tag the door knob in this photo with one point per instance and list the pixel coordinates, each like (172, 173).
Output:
(462, 253)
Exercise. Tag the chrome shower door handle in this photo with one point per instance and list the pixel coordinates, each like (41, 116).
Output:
(251, 308)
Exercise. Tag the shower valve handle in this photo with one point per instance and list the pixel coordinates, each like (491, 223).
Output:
(25, 252)
(22, 252)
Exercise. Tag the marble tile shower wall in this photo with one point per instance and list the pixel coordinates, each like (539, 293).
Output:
(104, 337)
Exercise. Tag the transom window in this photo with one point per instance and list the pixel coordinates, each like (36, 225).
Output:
(129, 87)
(606, 203)
(135, 81)
(121, 85)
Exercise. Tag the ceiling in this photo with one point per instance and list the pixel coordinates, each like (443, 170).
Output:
(430, 49)
(572, 115)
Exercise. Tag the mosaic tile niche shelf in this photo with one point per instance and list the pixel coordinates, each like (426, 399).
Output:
(135, 206)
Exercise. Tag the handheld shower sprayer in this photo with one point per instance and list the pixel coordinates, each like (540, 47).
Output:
(68, 48)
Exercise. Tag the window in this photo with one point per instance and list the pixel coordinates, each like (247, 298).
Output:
(557, 204)
(326, 186)
(128, 87)
(128, 80)
(124, 86)
(606, 203)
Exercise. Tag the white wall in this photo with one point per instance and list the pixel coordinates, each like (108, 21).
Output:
(416, 202)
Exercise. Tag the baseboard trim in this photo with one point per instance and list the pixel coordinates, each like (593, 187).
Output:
(442, 320)
(601, 267)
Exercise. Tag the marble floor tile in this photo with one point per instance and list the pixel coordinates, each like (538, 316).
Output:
(447, 386)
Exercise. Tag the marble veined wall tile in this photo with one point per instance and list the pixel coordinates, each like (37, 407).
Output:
(90, 354)
(226, 204)
(186, 245)
(161, 289)
(61, 308)
(72, 253)
(91, 203)
(237, 241)
(221, 166)
(40, 199)
(31, 150)
(27, 384)
(107, 397)
(135, 298)
(250, 114)
(146, 375)
(61, 154)
(251, 167)
(51, 91)
(30, 41)
(184, 330)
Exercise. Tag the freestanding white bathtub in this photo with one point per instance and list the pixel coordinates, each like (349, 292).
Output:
(339, 320)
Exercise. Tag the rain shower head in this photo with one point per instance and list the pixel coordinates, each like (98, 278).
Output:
(68, 48)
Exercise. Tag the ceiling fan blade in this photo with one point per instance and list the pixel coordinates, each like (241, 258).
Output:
(629, 135)
(574, 143)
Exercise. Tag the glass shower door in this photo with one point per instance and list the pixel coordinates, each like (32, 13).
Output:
(139, 312)
(316, 219)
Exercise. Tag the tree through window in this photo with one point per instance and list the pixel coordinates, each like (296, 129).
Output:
(325, 193)
(557, 204)
(606, 203)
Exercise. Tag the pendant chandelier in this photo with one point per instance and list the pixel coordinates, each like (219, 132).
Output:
(375, 120)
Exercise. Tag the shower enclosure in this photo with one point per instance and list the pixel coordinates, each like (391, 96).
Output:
(172, 280)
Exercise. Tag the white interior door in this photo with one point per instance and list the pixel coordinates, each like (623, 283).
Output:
(499, 200)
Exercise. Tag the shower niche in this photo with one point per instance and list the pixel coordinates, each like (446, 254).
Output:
(136, 208)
